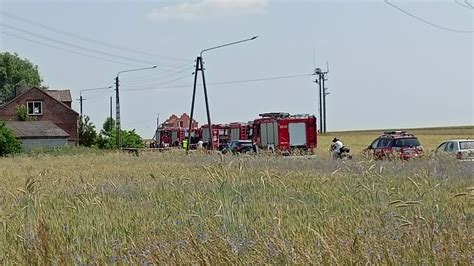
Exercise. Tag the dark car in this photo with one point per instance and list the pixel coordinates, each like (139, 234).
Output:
(239, 146)
(395, 144)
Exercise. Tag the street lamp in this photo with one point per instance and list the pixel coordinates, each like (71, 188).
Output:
(117, 102)
(92, 89)
(200, 67)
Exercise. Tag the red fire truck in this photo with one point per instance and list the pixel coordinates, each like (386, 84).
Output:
(173, 136)
(284, 132)
(240, 131)
(220, 135)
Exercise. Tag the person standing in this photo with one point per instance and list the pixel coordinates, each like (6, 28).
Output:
(184, 144)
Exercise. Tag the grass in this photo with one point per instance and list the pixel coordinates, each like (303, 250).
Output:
(107, 208)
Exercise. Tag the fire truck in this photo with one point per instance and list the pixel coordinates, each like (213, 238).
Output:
(220, 135)
(173, 136)
(284, 132)
(240, 131)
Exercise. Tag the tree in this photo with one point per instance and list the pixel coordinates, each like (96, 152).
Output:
(130, 139)
(107, 139)
(109, 126)
(16, 71)
(87, 134)
(9, 144)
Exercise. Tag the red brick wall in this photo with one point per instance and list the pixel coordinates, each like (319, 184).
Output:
(53, 111)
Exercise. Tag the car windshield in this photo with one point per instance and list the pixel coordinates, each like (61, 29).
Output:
(407, 142)
(466, 145)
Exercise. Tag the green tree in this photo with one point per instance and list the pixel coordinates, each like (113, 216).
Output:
(16, 71)
(9, 144)
(109, 126)
(87, 134)
(130, 139)
(107, 139)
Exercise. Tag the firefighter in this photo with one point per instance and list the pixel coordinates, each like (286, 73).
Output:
(184, 144)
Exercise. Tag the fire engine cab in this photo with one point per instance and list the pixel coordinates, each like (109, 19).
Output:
(284, 132)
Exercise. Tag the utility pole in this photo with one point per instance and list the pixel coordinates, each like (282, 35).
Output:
(80, 103)
(110, 108)
(117, 113)
(318, 72)
(200, 67)
(117, 103)
(320, 79)
(81, 99)
(157, 120)
(324, 104)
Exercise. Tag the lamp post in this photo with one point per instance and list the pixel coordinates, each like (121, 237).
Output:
(117, 102)
(200, 67)
(92, 89)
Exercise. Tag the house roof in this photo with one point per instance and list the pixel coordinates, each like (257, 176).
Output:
(36, 129)
(60, 95)
(45, 93)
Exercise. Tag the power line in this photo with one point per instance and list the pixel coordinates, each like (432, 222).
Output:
(76, 46)
(70, 51)
(60, 31)
(166, 82)
(259, 79)
(426, 21)
(466, 4)
(148, 79)
(222, 83)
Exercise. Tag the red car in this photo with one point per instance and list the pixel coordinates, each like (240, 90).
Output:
(395, 144)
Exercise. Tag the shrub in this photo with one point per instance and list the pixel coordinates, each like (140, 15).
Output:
(22, 113)
(8, 142)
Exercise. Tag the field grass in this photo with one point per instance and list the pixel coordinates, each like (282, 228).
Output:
(169, 208)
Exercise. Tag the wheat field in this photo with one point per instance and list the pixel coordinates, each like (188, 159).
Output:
(91, 207)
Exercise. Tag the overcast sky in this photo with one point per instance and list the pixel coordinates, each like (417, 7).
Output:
(387, 69)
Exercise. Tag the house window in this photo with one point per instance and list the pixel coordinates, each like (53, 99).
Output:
(181, 123)
(35, 108)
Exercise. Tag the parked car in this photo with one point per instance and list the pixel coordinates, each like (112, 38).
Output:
(462, 149)
(395, 144)
(239, 146)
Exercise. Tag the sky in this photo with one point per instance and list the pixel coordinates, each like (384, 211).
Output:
(386, 68)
